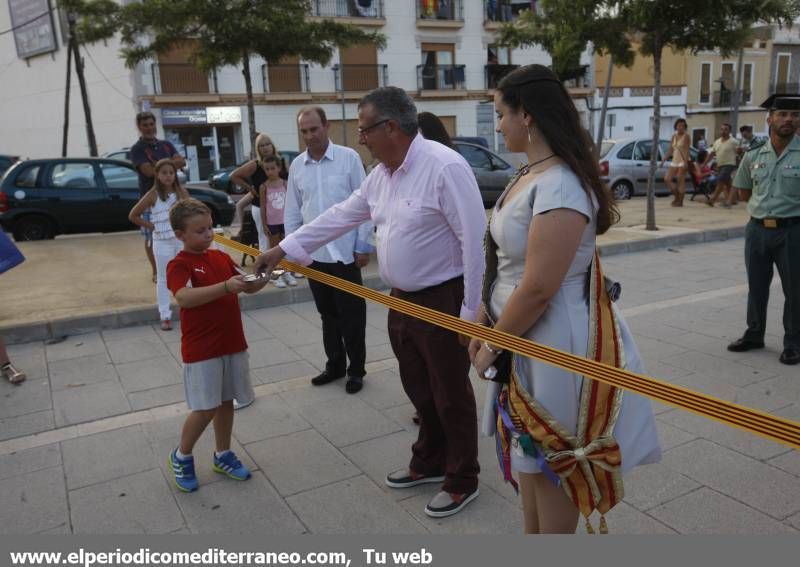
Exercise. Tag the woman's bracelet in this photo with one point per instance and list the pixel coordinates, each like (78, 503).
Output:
(225, 285)
(491, 349)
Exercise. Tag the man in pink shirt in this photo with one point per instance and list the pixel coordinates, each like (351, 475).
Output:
(430, 222)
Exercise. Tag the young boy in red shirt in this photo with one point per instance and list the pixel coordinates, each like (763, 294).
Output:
(206, 284)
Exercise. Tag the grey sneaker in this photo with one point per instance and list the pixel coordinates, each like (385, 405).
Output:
(446, 504)
(237, 405)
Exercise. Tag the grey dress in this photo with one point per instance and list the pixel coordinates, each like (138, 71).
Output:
(565, 322)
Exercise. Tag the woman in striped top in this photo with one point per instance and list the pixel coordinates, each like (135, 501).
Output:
(166, 191)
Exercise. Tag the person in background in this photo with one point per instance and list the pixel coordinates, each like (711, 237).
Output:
(320, 179)
(145, 153)
(769, 181)
(724, 150)
(432, 128)
(679, 154)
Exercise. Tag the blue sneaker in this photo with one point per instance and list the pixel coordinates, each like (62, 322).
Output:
(230, 465)
(183, 469)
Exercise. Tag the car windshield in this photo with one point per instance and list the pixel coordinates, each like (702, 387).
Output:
(605, 147)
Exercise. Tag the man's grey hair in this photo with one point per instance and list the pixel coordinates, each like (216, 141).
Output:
(393, 103)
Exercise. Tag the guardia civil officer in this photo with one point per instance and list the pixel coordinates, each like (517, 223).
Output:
(769, 180)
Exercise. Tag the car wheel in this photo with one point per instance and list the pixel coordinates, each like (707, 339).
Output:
(622, 190)
(33, 228)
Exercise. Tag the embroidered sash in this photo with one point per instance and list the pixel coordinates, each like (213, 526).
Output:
(587, 464)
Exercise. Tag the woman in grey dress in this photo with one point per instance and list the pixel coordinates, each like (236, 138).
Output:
(544, 227)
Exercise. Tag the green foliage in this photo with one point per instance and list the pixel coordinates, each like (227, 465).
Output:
(226, 30)
(95, 20)
(564, 28)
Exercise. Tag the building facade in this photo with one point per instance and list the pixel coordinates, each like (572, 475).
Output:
(441, 51)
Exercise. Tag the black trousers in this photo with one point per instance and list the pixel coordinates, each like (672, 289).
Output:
(763, 248)
(344, 320)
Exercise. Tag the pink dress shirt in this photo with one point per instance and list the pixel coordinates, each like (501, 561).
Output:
(429, 222)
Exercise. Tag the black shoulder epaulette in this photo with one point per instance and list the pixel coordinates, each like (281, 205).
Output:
(756, 146)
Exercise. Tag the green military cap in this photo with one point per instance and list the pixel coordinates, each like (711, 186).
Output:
(782, 102)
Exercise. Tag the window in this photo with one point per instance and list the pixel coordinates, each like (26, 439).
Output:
(119, 176)
(643, 150)
(496, 55)
(705, 83)
(782, 75)
(476, 157)
(438, 71)
(27, 177)
(74, 176)
(626, 152)
(747, 83)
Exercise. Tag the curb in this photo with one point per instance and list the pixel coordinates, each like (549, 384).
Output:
(76, 325)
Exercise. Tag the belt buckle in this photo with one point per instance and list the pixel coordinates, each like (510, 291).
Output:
(770, 223)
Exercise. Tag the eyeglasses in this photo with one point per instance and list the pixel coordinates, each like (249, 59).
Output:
(363, 131)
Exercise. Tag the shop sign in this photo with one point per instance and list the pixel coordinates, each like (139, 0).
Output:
(183, 116)
(208, 141)
(32, 24)
(224, 114)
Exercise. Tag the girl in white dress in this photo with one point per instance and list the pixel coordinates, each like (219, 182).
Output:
(544, 227)
(159, 200)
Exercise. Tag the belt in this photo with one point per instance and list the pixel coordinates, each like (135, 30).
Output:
(431, 288)
(776, 222)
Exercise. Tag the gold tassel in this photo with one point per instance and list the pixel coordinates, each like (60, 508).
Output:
(603, 525)
(589, 528)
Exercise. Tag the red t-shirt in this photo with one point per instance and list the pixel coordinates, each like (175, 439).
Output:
(214, 329)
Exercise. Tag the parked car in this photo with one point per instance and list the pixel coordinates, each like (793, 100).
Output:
(124, 154)
(492, 172)
(479, 140)
(42, 198)
(6, 162)
(625, 165)
(221, 178)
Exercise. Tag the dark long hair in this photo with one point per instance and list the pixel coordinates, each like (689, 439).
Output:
(537, 90)
(431, 128)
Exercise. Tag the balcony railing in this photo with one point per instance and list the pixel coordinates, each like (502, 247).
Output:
(440, 10)
(285, 78)
(440, 77)
(496, 72)
(347, 8)
(360, 77)
(503, 10)
(182, 78)
(725, 98)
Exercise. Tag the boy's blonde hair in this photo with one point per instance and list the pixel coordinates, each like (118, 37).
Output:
(185, 209)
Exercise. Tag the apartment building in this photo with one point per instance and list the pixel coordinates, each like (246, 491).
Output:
(442, 52)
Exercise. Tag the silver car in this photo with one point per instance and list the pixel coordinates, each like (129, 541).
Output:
(124, 154)
(491, 171)
(625, 165)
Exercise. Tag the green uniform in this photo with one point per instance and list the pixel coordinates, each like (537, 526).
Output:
(772, 237)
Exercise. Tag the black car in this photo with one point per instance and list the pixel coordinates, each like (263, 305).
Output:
(41, 198)
(6, 162)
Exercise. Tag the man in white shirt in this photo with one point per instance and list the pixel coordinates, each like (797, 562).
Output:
(319, 178)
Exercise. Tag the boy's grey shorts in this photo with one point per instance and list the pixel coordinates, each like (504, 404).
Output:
(210, 382)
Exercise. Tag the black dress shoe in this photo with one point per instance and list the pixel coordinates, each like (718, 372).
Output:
(741, 345)
(325, 378)
(790, 356)
(354, 384)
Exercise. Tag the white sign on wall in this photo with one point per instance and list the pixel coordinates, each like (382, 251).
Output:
(224, 114)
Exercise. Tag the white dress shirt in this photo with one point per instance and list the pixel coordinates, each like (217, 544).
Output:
(429, 217)
(316, 186)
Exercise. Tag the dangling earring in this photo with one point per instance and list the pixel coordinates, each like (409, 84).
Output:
(529, 137)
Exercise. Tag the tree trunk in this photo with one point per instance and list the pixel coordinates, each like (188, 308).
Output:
(87, 111)
(251, 110)
(66, 105)
(602, 129)
(654, 151)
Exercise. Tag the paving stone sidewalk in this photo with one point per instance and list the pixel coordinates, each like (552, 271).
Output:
(84, 442)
